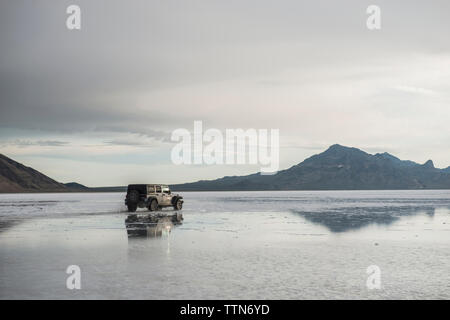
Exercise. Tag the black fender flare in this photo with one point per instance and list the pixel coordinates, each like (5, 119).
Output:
(175, 199)
(150, 199)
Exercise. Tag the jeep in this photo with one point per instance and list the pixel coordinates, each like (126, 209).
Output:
(151, 196)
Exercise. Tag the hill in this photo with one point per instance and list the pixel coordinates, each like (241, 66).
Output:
(74, 186)
(15, 177)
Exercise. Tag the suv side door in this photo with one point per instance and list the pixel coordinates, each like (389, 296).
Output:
(158, 194)
(167, 198)
(150, 190)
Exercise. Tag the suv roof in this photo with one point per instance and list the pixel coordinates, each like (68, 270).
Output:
(148, 184)
(142, 188)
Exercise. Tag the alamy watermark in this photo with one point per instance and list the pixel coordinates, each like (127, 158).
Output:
(373, 21)
(236, 146)
(374, 278)
(74, 280)
(73, 21)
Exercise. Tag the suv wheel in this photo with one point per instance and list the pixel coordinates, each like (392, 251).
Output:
(178, 205)
(153, 206)
(133, 196)
(132, 207)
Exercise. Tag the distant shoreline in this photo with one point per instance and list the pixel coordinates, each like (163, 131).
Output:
(281, 190)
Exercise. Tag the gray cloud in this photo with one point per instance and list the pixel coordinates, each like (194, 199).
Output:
(54, 79)
(28, 143)
(310, 68)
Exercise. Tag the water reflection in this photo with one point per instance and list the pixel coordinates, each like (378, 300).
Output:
(151, 225)
(351, 218)
(6, 224)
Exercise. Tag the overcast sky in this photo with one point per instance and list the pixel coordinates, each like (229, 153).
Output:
(98, 105)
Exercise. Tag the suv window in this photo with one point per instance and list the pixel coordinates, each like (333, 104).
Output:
(158, 189)
(166, 190)
(151, 189)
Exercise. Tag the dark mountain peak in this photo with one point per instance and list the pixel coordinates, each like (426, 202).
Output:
(337, 151)
(336, 146)
(335, 154)
(429, 164)
(340, 150)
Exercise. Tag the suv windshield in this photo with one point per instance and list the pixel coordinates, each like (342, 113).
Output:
(166, 189)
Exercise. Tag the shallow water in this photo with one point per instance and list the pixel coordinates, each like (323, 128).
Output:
(231, 245)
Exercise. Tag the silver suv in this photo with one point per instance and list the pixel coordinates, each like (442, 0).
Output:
(151, 196)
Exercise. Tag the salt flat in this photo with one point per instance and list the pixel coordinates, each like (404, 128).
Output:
(232, 245)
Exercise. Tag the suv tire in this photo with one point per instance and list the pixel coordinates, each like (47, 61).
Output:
(132, 207)
(153, 206)
(133, 197)
(178, 205)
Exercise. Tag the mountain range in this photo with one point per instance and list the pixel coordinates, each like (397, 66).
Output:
(337, 168)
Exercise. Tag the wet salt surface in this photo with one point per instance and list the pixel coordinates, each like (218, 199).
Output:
(232, 245)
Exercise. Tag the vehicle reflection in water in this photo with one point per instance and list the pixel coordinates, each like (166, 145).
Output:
(151, 225)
